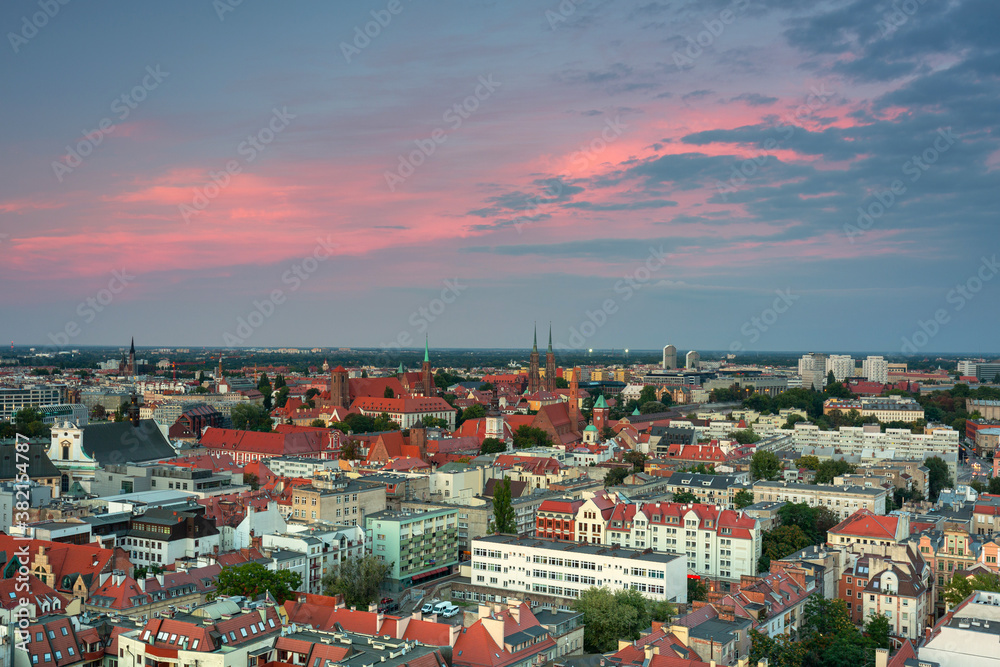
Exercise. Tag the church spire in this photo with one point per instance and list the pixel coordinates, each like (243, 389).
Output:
(534, 347)
(550, 336)
(132, 349)
(427, 352)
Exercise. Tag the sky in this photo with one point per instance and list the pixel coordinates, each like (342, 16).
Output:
(741, 175)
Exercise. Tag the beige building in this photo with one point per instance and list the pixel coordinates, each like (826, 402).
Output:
(841, 500)
(340, 501)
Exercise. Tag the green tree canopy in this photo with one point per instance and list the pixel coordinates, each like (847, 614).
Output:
(829, 469)
(615, 477)
(250, 417)
(609, 616)
(743, 498)
(530, 436)
(652, 407)
(504, 520)
(745, 436)
(960, 587)
(685, 497)
(636, 458)
(492, 446)
(359, 580)
(475, 411)
(764, 465)
(938, 477)
(253, 579)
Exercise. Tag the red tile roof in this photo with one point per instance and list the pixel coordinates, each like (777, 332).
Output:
(296, 443)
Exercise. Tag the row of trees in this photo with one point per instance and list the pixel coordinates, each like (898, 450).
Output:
(27, 422)
(801, 526)
(612, 615)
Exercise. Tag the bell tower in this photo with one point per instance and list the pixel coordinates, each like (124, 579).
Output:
(550, 365)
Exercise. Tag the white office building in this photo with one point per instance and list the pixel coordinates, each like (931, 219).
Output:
(841, 365)
(876, 369)
(526, 565)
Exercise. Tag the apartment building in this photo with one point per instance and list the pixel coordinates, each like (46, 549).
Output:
(966, 636)
(162, 536)
(896, 583)
(871, 441)
(867, 528)
(717, 543)
(841, 500)
(708, 489)
(841, 365)
(876, 369)
(340, 501)
(562, 570)
(422, 546)
(950, 550)
(884, 409)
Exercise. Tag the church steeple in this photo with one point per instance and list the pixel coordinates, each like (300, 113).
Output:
(550, 337)
(534, 347)
(534, 378)
(427, 378)
(427, 351)
(550, 366)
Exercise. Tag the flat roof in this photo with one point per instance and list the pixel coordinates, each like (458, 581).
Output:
(579, 548)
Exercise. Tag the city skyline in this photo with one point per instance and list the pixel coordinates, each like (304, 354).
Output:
(753, 176)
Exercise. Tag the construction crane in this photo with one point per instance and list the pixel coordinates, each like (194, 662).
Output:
(175, 364)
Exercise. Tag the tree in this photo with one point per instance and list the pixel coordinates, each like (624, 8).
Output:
(201, 389)
(764, 465)
(697, 591)
(530, 436)
(250, 417)
(561, 383)
(279, 382)
(829, 469)
(475, 411)
(937, 477)
(647, 395)
(615, 477)
(879, 630)
(28, 421)
(792, 421)
(349, 451)
(388, 393)
(743, 498)
(253, 579)
(486, 386)
(783, 541)
(960, 587)
(504, 520)
(811, 462)
(434, 422)
(609, 616)
(384, 423)
(661, 610)
(251, 480)
(636, 458)
(781, 651)
(685, 497)
(264, 387)
(358, 579)
(994, 485)
(607, 433)
(744, 436)
(318, 423)
(492, 446)
(652, 407)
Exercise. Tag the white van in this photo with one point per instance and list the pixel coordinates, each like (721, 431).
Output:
(442, 607)
(429, 607)
(452, 610)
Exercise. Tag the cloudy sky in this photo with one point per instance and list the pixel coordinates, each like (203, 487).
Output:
(744, 174)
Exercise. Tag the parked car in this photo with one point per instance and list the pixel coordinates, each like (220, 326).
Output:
(429, 606)
(451, 611)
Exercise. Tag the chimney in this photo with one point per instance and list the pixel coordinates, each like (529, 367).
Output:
(494, 626)
(142, 584)
(881, 657)
(515, 613)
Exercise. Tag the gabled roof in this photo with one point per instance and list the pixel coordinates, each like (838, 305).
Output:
(122, 442)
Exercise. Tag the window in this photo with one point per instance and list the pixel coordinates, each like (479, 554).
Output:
(65, 632)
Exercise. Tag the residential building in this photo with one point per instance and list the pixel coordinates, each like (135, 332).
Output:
(511, 637)
(950, 550)
(40, 469)
(774, 601)
(841, 500)
(865, 527)
(812, 370)
(873, 445)
(339, 501)
(884, 409)
(407, 411)
(565, 627)
(556, 519)
(841, 365)
(421, 546)
(560, 570)
(34, 494)
(162, 536)
(251, 446)
(890, 580)
(875, 369)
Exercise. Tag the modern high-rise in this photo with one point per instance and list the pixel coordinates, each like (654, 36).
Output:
(842, 366)
(692, 360)
(812, 369)
(669, 357)
(876, 369)
(967, 368)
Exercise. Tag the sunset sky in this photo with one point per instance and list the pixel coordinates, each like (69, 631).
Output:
(537, 156)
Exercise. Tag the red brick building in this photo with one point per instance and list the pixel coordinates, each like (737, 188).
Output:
(556, 519)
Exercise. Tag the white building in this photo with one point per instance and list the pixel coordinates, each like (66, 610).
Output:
(669, 357)
(812, 370)
(876, 369)
(871, 442)
(968, 368)
(968, 636)
(841, 500)
(692, 360)
(526, 565)
(842, 366)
